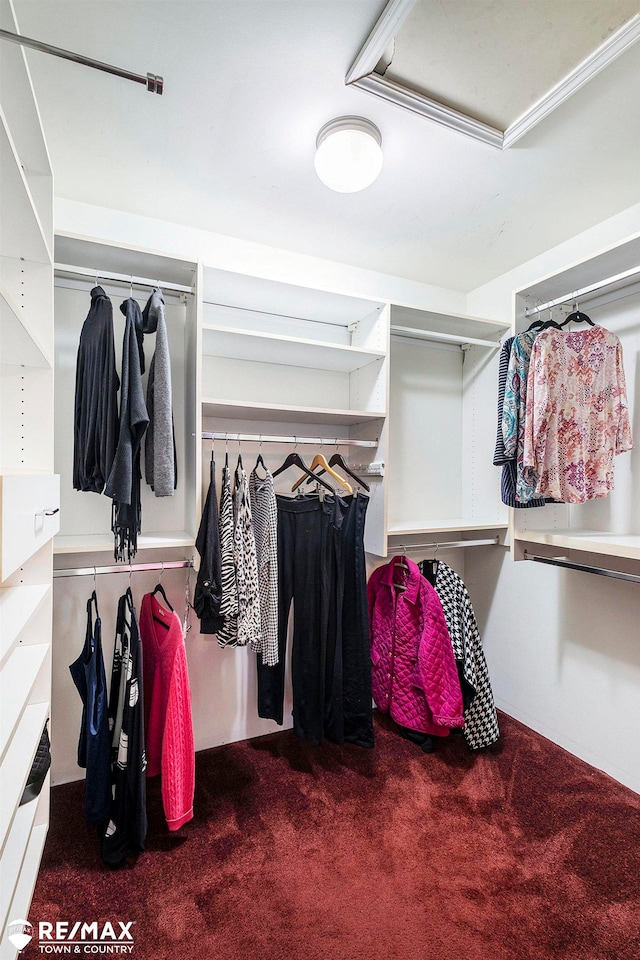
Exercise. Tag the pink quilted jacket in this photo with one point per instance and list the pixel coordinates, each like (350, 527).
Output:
(414, 674)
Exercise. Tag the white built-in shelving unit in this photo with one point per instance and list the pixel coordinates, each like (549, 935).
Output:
(86, 517)
(29, 492)
(442, 428)
(604, 533)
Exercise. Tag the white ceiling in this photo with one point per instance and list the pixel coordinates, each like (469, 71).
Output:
(463, 52)
(248, 83)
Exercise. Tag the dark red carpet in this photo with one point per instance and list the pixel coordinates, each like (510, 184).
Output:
(336, 853)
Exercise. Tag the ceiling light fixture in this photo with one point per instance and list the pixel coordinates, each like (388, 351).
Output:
(348, 154)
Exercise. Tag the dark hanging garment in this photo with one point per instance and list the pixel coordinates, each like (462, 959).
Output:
(95, 429)
(127, 828)
(123, 484)
(94, 746)
(208, 592)
(161, 465)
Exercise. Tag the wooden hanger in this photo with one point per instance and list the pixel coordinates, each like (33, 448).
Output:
(320, 461)
(337, 460)
(295, 460)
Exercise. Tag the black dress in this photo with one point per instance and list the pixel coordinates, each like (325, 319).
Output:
(208, 593)
(96, 398)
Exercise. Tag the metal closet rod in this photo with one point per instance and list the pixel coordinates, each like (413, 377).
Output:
(265, 438)
(415, 333)
(449, 544)
(153, 82)
(583, 292)
(121, 568)
(583, 568)
(119, 277)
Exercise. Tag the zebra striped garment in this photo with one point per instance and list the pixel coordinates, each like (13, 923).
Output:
(228, 634)
(246, 563)
(264, 511)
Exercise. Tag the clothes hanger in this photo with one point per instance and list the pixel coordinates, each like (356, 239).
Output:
(337, 460)
(320, 461)
(537, 323)
(259, 461)
(294, 459)
(577, 317)
(403, 566)
(160, 589)
(550, 322)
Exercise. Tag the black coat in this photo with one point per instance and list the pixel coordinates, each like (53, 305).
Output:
(95, 428)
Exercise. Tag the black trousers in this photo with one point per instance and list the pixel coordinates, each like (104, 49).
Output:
(321, 569)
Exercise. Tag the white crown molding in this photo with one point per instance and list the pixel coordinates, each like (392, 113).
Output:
(606, 53)
(387, 25)
(431, 109)
(361, 75)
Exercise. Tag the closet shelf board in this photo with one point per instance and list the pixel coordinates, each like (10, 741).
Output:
(15, 853)
(228, 343)
(30, 866)
(17, 604)
(448, 323)
(589, 541)
(17, 761)
(236, 409)
(21, 232)
(17, 343)
(16, 681)
(103, 543)
(440, 526)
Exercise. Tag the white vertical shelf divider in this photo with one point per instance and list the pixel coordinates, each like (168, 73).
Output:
(28, 489)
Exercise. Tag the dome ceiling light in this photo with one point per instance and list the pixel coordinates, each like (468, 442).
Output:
(348, 154)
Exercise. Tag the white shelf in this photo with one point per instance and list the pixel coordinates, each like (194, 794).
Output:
(588, 541)
(18, 345)
(16, 681)
(21, 232)
(449, 324)
(17, 605)
(26, 883)
(289, 351)
(242, 410)
(103, 543)
(15, 852)
(17, 761)
(440, 526)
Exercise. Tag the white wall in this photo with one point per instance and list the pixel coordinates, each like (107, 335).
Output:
(563, 647)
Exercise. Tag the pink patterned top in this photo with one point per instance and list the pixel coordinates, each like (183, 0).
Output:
(577, 418)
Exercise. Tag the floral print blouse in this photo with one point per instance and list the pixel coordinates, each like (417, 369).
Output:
(577, 417)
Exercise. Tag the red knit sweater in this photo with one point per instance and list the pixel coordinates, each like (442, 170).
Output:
(167, 702)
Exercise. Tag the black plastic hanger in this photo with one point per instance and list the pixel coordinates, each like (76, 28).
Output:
(295, 460)
(160, 589)
(260, 463)
(578, 317)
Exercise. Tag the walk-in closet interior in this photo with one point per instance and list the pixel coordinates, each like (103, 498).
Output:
(363, 331)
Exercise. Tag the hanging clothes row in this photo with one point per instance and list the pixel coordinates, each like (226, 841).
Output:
(429, 669)
(138, 728)
(107, 443)
(562, 413)
(265, 552)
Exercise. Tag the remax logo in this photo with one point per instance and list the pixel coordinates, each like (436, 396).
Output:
(20, 932)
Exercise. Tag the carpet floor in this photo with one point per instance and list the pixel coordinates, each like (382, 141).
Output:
(519, 852)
